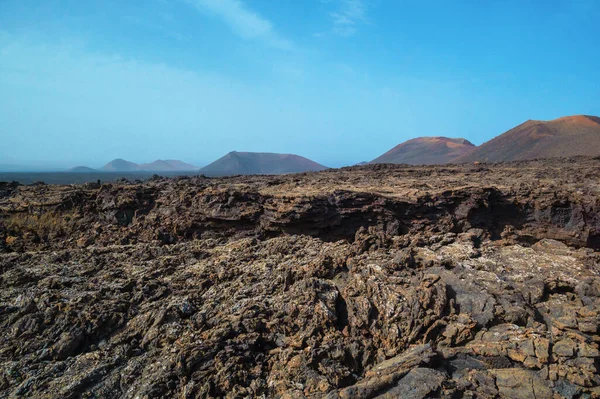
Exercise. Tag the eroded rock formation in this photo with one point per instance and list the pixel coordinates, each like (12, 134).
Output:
(373, 281)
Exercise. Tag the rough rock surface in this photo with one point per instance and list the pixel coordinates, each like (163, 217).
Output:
(365, 282)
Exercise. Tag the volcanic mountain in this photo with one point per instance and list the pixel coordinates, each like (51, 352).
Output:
(120, 165)
(169, 165)
(260, 163)
(426, 151)
(82, 169)
(564, 137)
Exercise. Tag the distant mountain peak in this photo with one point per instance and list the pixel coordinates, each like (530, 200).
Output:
(563, 137)
(426, 150)
(120, 165)
(160, 165)
(82, 169)
(251, 163)
(168, 165)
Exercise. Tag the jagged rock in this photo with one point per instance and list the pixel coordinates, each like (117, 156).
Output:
(385, 375)
(419, 383)
(565, 348)
(521, 384)
(441, 281)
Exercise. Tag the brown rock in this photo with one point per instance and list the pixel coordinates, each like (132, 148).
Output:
(521, 384)
(350, 283)
(565, 348)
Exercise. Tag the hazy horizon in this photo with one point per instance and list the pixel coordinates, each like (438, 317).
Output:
(335, 81)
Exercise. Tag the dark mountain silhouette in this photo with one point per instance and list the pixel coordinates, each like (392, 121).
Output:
(169, 165)
(82, 169)
(260, 163)
(426, 151)
(563, 137)
(120, 165)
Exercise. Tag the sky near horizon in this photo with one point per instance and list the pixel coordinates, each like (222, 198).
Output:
(337, 81)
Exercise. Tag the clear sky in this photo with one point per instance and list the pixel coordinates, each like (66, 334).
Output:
(337, 81)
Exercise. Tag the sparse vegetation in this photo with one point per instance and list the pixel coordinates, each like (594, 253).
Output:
(40, 224)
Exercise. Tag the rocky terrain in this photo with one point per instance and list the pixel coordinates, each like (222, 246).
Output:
(377, 281)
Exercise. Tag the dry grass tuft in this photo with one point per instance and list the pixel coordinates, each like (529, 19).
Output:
(42, 224)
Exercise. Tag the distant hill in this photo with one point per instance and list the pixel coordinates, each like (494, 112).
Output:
(426, 151)
(563, 137)
(82, 169)
(260, 163)
(120, 165)
(169, 165)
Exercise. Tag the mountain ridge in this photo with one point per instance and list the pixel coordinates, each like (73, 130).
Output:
(562, 137)
(260, 163)
(169, 165)
(82, 169)
(426, 150)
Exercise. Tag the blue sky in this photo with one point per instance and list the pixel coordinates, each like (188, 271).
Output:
(337, 81)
